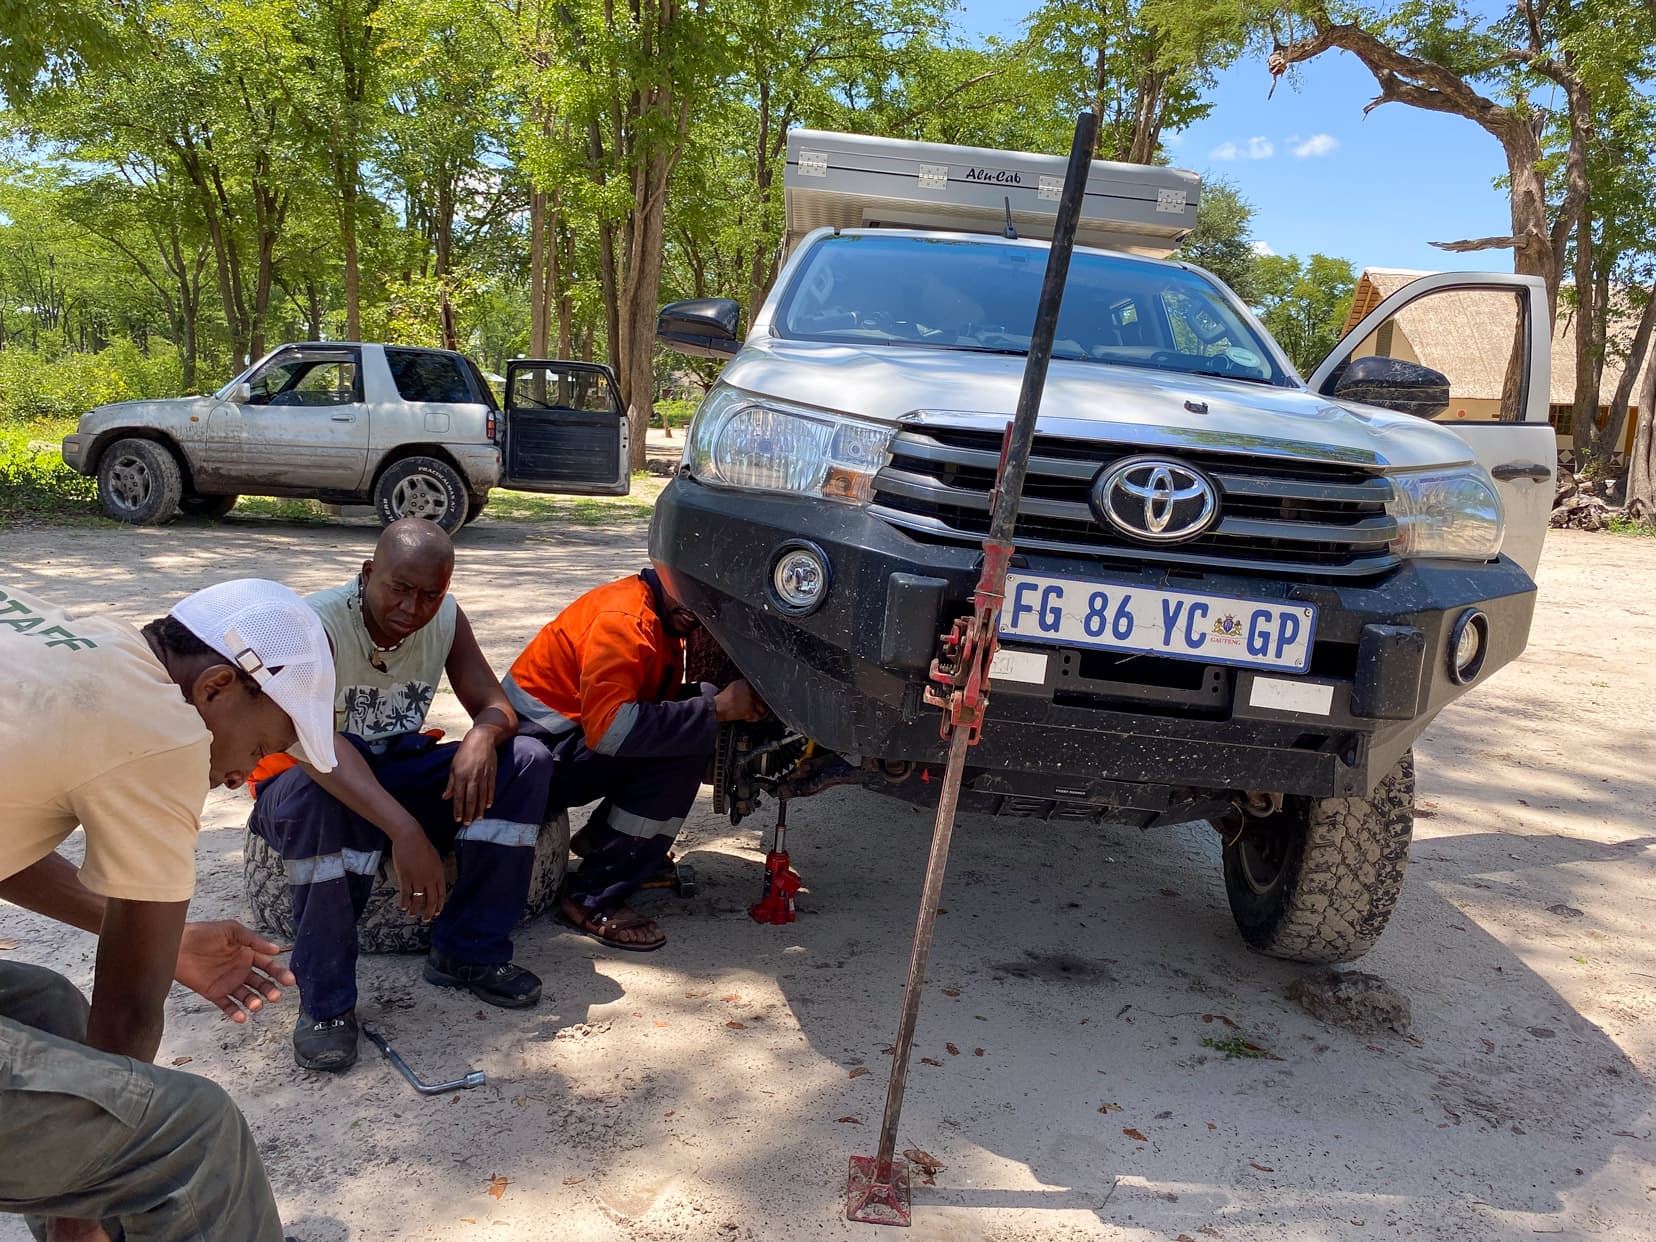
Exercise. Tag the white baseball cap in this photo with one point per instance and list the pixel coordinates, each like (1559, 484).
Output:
(273, 636)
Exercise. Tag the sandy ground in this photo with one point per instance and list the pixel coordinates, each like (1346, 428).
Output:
(713, 1090)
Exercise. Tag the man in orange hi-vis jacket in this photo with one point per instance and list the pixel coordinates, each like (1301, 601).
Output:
(603, 686)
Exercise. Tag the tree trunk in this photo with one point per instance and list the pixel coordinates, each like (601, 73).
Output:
(1584, 410)
(353, 46)
(759, 269)
(558, 289)
(539, 311)
(1641, 465)
(348, 243)
(610, 284)
(270, 208)
(445, 310)
(1147, 117)
(640, 289)
(1636, 353)
(225, 268)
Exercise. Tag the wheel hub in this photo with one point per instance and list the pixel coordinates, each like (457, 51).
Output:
(130, 483)
(1262, 855)
(420, 496)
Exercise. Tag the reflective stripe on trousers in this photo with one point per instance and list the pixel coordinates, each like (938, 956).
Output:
(320, 868)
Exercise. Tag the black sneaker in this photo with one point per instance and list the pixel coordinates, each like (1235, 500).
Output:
(327, 1044)
(503, 984)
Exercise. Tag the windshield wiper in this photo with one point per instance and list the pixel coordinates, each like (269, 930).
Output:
(1232, 375)
(985, 349)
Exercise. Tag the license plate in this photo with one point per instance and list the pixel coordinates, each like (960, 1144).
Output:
(1184, 625)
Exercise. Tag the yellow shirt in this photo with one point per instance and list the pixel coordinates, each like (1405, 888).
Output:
(93, 732)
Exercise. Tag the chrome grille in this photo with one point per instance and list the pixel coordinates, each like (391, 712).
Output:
(1276, 514)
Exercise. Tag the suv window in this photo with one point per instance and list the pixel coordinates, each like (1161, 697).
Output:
(308, 380)
(482, 385)
(558, 388)
(422, 375)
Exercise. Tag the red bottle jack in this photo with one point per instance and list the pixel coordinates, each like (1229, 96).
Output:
(776, 902)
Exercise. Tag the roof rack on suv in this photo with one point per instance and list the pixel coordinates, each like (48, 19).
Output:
(857, 181)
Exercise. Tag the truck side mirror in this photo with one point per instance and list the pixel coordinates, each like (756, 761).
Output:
(243, 394)
(1394, 384)
(701, 327)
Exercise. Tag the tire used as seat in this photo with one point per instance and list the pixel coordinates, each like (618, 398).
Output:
(383, 928)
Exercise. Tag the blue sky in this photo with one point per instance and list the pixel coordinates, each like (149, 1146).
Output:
(1375, 190)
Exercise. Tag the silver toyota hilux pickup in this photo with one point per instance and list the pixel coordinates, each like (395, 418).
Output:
(1238, 595)
(414, 432)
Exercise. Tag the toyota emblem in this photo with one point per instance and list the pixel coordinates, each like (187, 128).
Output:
(1156, 499)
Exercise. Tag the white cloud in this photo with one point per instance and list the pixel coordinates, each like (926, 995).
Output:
(1174, 139)
(1314, 146)
(1263, 249)
(1257, 148)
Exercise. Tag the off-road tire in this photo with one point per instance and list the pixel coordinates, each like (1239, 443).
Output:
(1317, 881)
(476, 503)
(207, 506)
(422, 487)
(139, 482)
(383, 928)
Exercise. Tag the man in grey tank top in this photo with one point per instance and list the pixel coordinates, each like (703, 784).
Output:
(395, 631)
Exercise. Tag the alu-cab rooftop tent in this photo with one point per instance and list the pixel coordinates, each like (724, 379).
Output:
(854, 181)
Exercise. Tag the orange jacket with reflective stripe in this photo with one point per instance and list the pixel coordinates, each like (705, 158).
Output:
(608, 667)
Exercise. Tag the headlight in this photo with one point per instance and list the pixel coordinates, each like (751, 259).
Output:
(1451, 513)
(769, 446)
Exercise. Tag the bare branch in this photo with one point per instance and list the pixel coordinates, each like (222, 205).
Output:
(1403, 78)
(1485, 243)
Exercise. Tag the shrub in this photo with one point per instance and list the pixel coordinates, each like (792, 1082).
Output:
(37, 387)
(34, 480)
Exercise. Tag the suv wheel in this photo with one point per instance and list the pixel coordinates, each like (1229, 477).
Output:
(421, 487)
(1317, 881)
(383, 928)
(207, 506)
(475, 506)
(139, 482)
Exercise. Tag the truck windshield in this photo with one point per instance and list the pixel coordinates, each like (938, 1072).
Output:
(953, 293)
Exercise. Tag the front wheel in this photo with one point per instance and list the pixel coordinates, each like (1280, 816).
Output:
(421, 487)
(139, 482)
(1317, 881)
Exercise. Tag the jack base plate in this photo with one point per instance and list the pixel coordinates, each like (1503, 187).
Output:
(876, 1195)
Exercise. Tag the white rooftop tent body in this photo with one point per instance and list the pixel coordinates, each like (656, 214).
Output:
(852, 181)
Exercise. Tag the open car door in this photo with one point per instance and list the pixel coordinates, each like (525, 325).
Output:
(565, 429)
(1490, 337)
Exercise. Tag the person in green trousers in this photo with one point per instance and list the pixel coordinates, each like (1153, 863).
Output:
(122, 733)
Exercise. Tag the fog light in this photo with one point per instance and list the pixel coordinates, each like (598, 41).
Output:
(799, 577)
(1468, 642)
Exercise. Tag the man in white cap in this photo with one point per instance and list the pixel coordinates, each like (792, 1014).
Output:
(122, 733)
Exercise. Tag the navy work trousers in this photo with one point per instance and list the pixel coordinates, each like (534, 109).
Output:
(644, 803)
(332, 856)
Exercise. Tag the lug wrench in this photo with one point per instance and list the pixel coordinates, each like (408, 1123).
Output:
(474, 1078)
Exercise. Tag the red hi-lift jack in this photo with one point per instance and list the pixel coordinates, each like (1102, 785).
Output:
(877, 1189)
